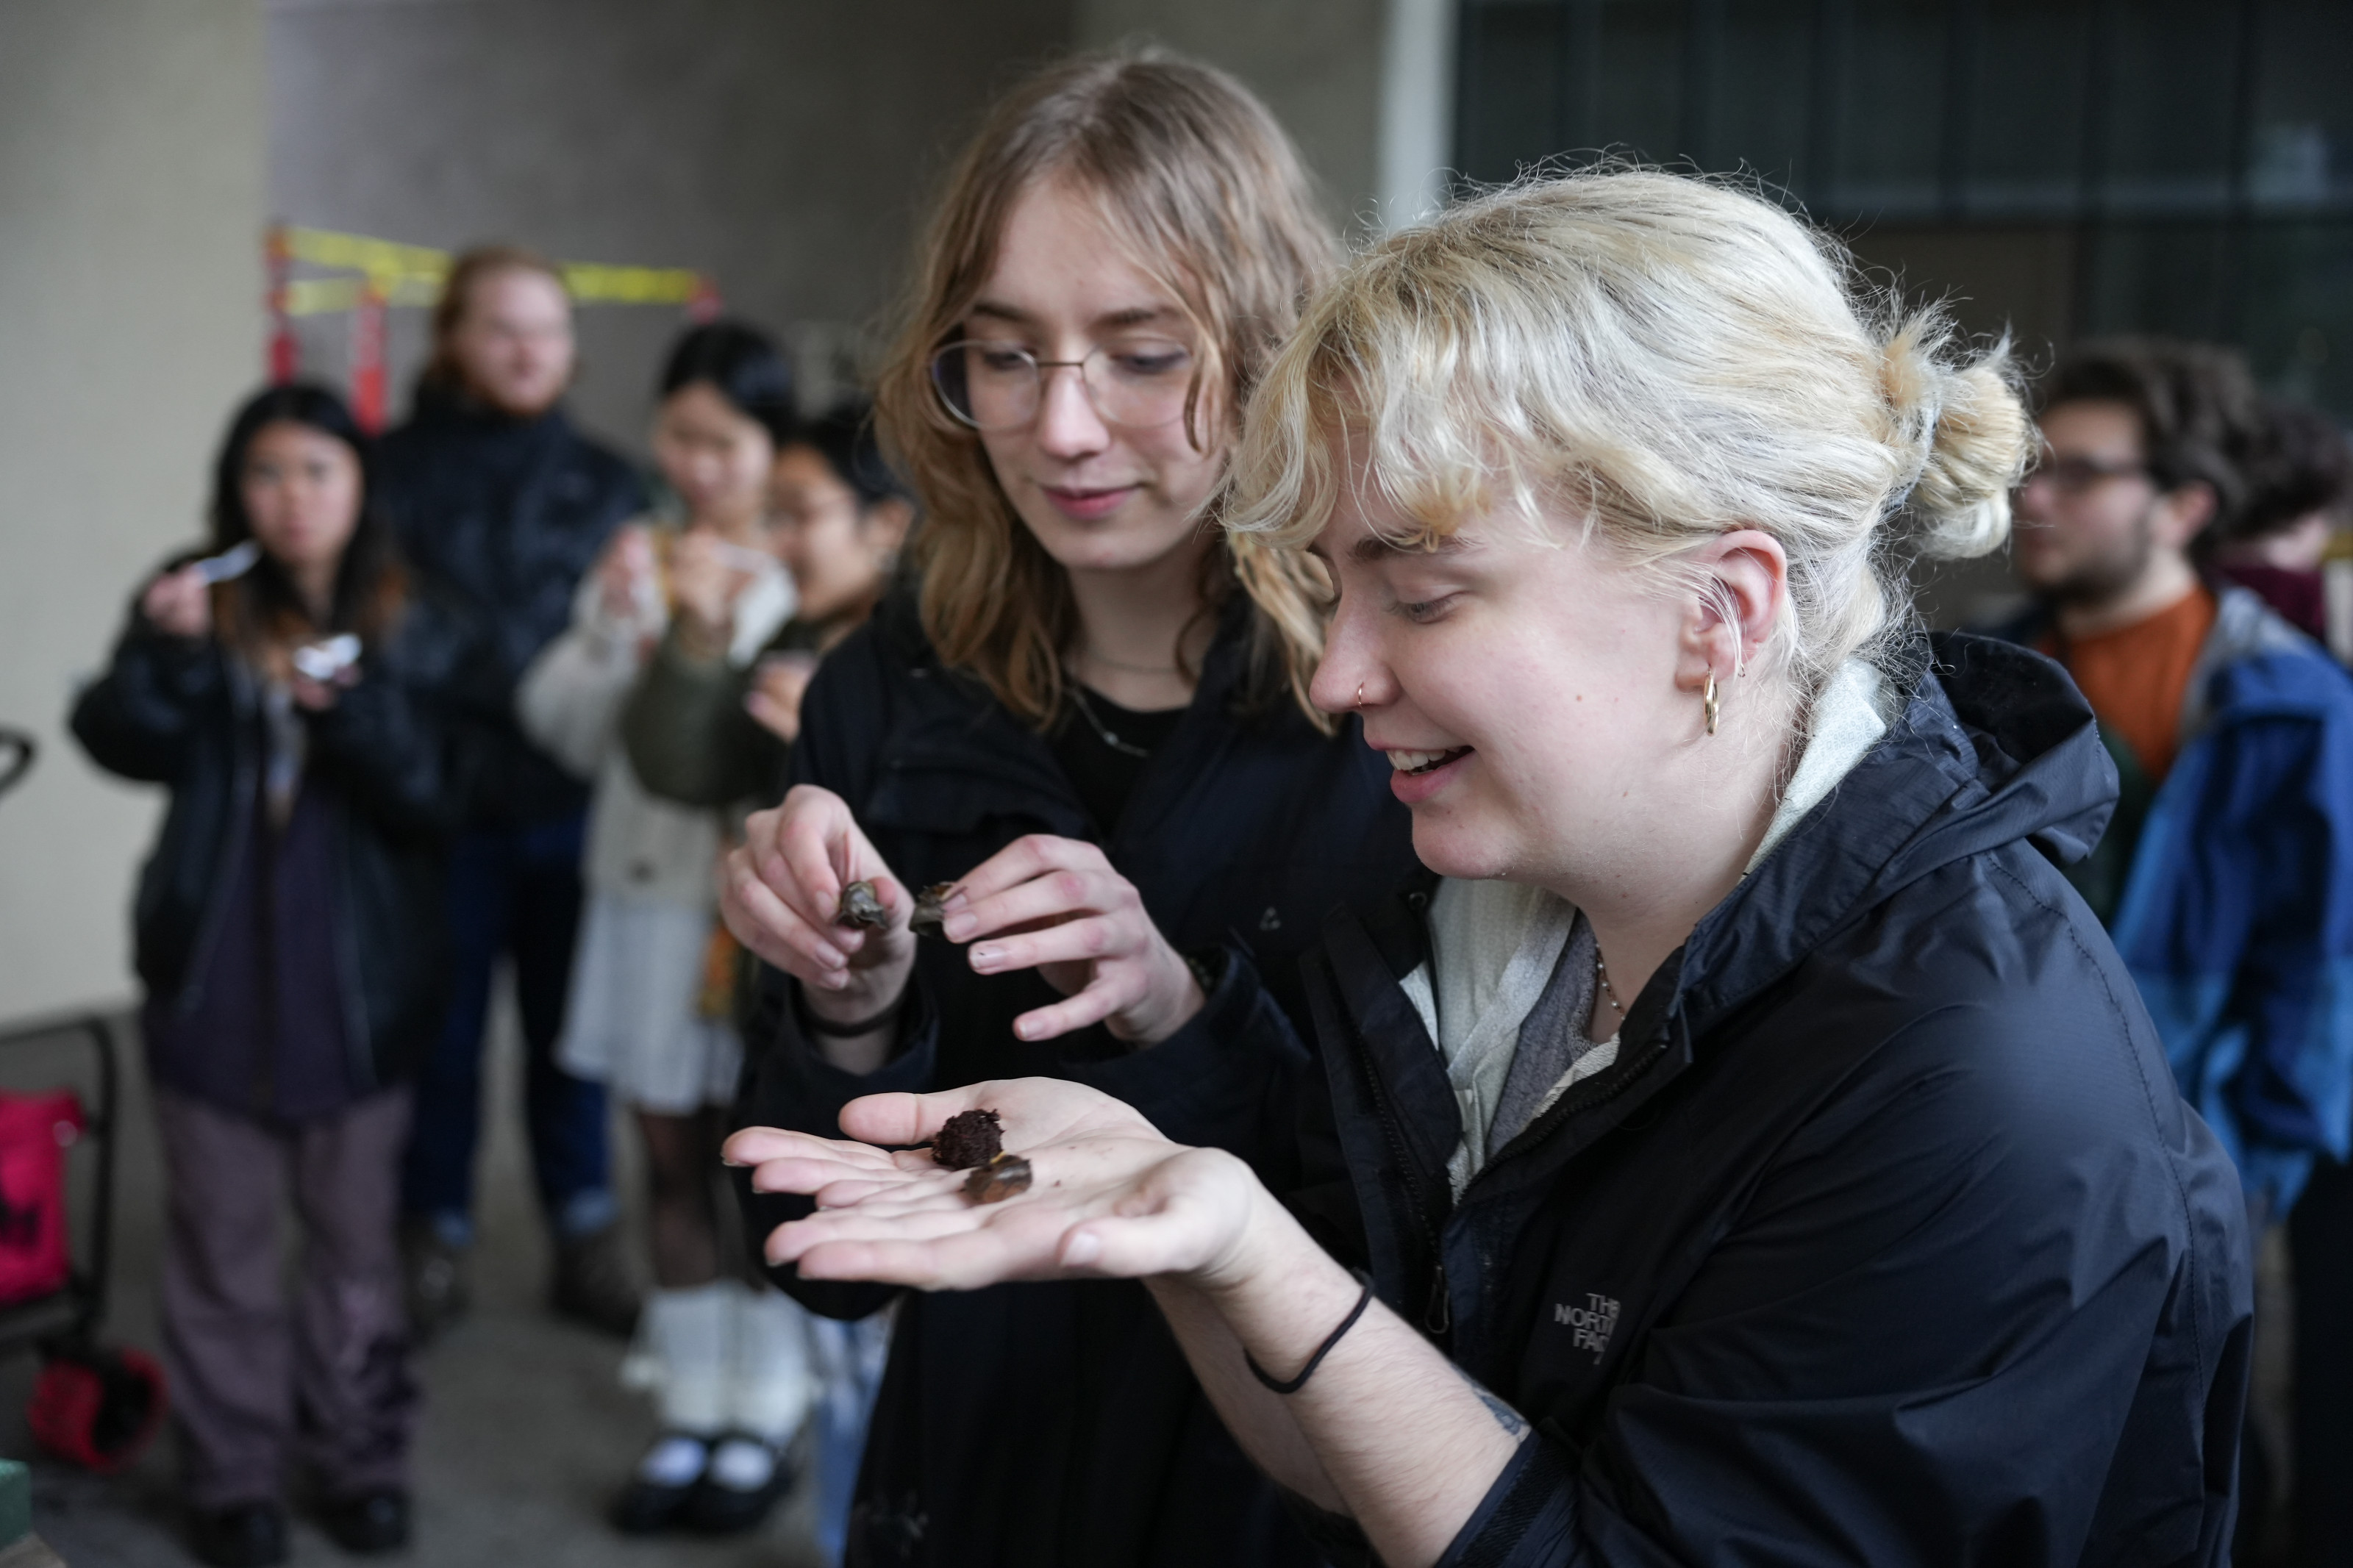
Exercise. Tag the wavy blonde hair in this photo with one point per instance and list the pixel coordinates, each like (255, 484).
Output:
(1664, 358)
(1207, 194)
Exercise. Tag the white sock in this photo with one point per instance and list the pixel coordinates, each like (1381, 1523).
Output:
(742, 1465)
(773, 1384)
(684, 1337)
(674, 1461)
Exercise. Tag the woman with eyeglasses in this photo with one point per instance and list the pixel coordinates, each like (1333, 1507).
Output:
(1090, 719)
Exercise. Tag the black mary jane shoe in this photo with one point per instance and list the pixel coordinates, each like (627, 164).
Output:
(735, 1495)
(367, 1524)
(673, 1466)
(244, 1535)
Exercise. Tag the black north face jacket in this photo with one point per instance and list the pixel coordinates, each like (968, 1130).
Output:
(1886, 1241)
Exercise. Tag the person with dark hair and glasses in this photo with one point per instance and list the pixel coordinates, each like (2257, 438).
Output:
(2226, 876)
(502, 501)
(649, 1012)
(315, 718)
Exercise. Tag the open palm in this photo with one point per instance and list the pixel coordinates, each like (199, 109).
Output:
(1109, 1195)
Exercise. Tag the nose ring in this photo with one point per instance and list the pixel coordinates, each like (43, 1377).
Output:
(1360, 694)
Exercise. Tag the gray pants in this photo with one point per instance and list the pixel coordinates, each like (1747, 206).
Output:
(252, 1381)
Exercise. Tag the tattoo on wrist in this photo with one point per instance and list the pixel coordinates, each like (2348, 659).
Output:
(1509, 1419)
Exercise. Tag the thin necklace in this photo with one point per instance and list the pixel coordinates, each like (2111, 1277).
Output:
(1608, 992)
(1079, 696)
(1090, 654)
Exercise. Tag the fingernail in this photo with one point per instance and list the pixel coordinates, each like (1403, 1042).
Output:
(1023, 1029)
(1083, 1249)
(959, 927)
(955, 900)
(982, 957)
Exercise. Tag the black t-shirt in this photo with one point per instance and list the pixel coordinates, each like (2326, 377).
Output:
(1105, 758)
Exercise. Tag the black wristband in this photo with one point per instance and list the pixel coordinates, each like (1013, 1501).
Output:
(855, 1027)
(1294, 1384)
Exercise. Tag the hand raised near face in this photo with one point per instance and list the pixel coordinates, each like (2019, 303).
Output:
(1055, 905)
(704, 584)
(179, 603)
(781, 890)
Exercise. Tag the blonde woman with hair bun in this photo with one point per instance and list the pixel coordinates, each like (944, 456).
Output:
(1087, 723)
(1744, 1147)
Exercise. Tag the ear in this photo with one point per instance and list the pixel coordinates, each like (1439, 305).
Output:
(1741, 582)
(2184, 511)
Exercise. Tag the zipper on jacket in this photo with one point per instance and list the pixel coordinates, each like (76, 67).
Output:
(243, 781)
(1437, 1312)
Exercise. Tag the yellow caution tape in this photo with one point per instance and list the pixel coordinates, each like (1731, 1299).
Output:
(412, 275)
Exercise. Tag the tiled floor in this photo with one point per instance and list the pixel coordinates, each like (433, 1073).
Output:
(525, 1430)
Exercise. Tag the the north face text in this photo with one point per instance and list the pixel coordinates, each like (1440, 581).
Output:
(1591, 1324)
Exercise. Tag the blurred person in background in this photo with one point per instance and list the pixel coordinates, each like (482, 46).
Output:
(1091, 718)
(709, 729)
(291, 933)
(2300, 475)
(650, 1013)
(2226, 875)
(500, 500)
(2299, 479)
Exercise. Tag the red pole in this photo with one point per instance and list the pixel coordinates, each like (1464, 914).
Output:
(285, 353)
(367, 358)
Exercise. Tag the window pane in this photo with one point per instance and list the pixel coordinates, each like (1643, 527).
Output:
(1511, 87)
(2173, 71)
(2026, 128)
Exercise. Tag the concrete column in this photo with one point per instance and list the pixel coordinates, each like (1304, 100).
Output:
(130, 204)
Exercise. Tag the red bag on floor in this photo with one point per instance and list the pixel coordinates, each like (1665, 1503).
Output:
(35, 1130)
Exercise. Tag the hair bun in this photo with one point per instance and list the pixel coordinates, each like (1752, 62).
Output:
(1969, 428)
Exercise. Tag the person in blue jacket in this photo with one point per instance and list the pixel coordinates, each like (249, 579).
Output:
(2227, 876)
(1750, 1150)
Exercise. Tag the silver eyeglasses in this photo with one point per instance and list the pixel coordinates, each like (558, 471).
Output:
(1139, 382)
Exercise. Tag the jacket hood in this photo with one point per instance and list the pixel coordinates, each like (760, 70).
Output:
(1993, 745)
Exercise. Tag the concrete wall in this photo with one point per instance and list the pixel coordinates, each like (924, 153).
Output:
(1317, 63)
(130, 203)
(786, 148)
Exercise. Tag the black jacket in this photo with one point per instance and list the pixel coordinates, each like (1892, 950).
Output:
(1034, 1424)
(397, 758)
(1887, 1239)
(507, 516)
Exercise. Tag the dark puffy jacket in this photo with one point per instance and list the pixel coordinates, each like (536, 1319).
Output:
(1036, 1424)
(1886, 1240)
(507, 515)
(397, 758)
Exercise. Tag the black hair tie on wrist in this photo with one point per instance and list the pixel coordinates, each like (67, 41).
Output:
(1294, 1384)
(852, 1030)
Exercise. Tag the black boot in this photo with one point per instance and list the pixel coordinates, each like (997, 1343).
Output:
(592, 1282)
(368, 1522)
(434, 1273)
(744, 1482)
(672, 1466)
(244, 1535)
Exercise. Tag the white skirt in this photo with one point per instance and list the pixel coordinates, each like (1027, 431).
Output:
(630, 1021)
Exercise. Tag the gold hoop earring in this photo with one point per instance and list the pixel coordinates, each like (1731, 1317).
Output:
(1707, 699)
